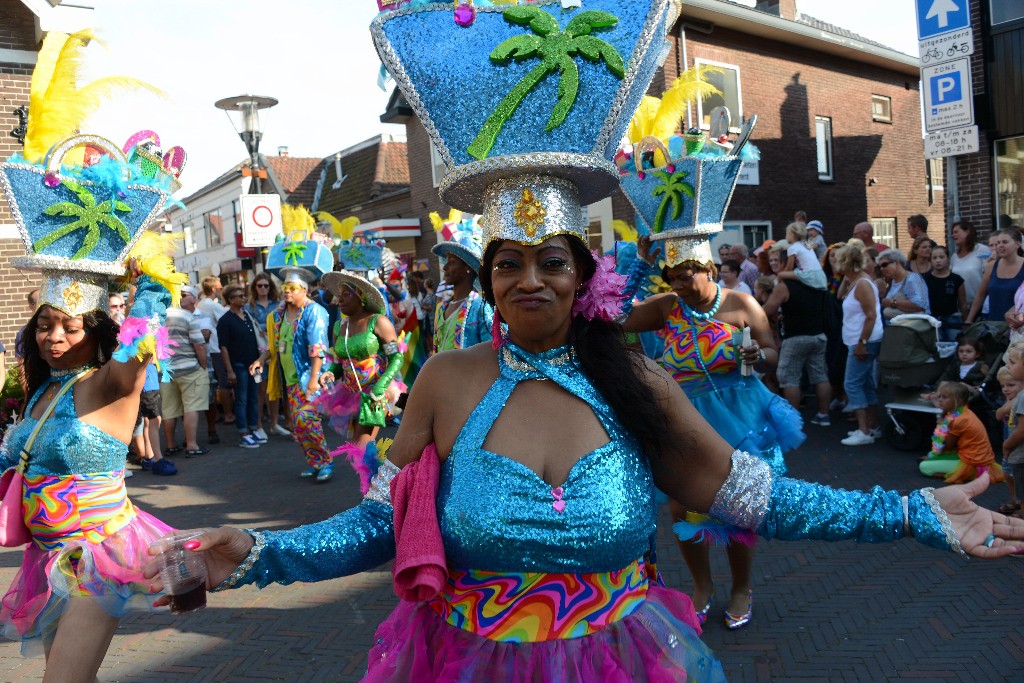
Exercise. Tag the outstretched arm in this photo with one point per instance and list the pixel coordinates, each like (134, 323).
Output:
(703, 472)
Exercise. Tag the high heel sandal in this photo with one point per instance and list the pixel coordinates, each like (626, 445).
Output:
(702, 615)
(735, 621)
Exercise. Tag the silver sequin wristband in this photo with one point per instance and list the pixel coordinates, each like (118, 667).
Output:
(743, 499)
(380, 485)
(943, 519)
(259, 542)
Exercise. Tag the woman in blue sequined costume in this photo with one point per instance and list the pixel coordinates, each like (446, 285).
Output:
(549, 486)
(702, 325)
(82, 569)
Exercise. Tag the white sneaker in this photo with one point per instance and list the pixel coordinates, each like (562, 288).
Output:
(279, 431)
(260, 435)
(128, 473)
(858, 438)
(875, 433)
(836, 404)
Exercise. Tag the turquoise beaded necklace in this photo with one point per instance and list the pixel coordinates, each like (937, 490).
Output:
(693, 316)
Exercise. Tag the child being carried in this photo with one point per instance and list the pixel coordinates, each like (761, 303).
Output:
(801, 262)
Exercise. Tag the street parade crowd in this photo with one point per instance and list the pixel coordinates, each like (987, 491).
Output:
(576, 393)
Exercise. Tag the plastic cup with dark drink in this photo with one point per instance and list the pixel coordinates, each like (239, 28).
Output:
(183, 573)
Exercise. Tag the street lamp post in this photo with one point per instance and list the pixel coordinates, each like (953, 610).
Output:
(246, 122)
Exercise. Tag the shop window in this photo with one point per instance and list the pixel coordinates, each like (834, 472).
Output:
(1005, 11)
(1009, 181)
(823, 142)
(727, 80)
(885, 231)
(881, 108)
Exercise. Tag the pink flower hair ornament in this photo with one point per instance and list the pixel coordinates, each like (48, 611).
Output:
(601, 295)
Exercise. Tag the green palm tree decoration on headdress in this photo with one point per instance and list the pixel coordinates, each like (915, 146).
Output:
(556, 49)
(671, 189)
(89, 216)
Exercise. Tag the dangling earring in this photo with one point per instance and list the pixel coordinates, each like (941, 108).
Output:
(710, 279)
(496, 330)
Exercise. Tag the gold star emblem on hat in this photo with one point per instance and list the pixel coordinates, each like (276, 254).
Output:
(73, 296)
(530, 213)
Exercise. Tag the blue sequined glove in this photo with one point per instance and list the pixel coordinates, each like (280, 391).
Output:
(348, 543)
(790, 509)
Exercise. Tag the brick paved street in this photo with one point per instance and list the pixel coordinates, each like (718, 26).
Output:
(823, 612)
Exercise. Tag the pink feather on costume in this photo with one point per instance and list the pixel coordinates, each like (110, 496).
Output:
(354, 454)
(601, 297)
(132, 329)
(164, 344)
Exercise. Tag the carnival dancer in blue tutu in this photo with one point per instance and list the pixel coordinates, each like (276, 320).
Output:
(703, 327)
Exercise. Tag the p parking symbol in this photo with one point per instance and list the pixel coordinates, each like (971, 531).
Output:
(946, 88)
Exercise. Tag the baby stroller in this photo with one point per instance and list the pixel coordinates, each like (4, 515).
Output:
(911, 359)
(995, 338)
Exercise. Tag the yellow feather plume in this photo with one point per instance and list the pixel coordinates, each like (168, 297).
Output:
(625, 231)
(297, 219)
(153, 254)
(341, 229)
(659, 117)
(454, 216)
(382, 448)
(57, 105)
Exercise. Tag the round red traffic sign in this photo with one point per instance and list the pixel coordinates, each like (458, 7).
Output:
(262, 216)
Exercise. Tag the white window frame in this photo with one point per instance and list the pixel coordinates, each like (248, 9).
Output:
(823, 147)
(438, 169)
(737, 114)
(884, 231)
(886, 102)
(936, 176)
(992, 13)
(750, 231)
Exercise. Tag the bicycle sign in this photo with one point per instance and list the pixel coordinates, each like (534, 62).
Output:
(946, 48)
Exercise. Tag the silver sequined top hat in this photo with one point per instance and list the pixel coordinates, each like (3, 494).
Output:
(296, 276)
(371, 296)
(538, 140)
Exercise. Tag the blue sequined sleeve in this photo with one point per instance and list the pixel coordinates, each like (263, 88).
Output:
(789, 509)
(348, 543)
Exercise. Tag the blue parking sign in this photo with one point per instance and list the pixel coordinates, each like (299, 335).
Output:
(946, 88)
(936, 17)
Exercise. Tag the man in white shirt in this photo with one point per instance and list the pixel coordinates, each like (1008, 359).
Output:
(212, 309)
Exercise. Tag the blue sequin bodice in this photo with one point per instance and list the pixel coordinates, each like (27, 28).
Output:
(497, 514)
(65, 445)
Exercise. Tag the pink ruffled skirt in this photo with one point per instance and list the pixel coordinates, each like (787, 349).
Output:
(658, 642)
(109, 572)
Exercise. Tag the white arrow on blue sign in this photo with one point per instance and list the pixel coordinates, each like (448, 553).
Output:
(935, 17)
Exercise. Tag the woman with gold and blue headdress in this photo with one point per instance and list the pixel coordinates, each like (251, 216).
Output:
(83, 221)
(518, 500)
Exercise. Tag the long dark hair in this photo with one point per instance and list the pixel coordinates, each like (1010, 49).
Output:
(612, 367)
(97, 324)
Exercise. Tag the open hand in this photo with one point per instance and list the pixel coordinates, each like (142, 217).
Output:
(225, 548)
(974, 524)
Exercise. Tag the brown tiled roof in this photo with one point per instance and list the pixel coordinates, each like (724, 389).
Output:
(370, 172)
(392, 168)
(297, 177)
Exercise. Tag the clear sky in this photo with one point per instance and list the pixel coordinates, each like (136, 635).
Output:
(314, 56)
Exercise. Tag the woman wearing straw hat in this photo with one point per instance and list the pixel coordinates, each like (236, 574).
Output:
(464, 319)
(366, 358)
